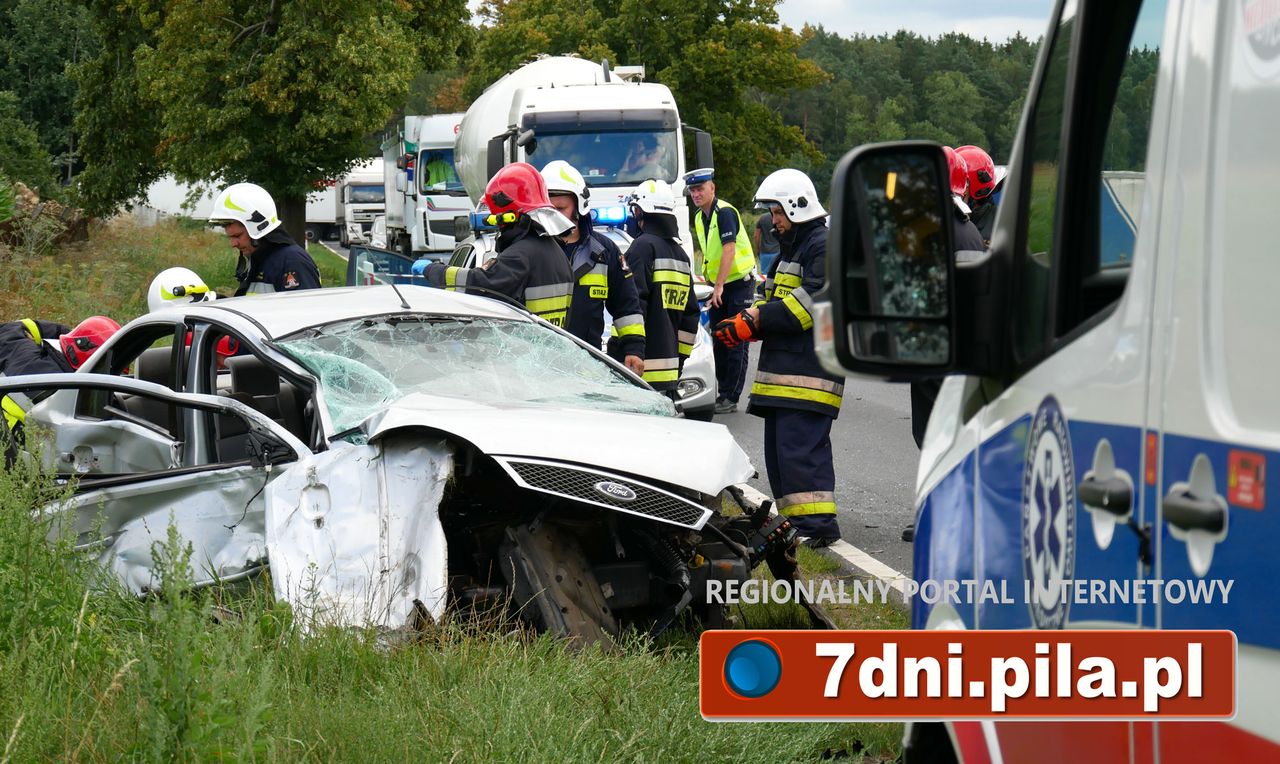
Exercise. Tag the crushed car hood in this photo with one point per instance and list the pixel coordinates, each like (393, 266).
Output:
(697, 455)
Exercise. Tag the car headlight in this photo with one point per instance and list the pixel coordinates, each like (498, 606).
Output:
(689, 387)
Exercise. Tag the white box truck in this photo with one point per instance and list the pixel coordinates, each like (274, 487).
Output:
(423, 192)
(322, 211)
(616, 129)
(361, 197)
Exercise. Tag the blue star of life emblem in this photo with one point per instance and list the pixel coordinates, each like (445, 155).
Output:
(1048, 516)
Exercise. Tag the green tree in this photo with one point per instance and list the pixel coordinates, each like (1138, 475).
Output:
(22, 158)
(953, 103)
(283, 94)
(889, 119)
(116, 119)
(45, 38)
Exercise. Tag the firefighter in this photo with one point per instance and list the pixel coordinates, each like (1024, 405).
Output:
(981, 185)
(664, 283)
(270, 260)
(530, 267)
(601, 275)
(798, 400)
(43, 347)
(174, 286)
(728, 264)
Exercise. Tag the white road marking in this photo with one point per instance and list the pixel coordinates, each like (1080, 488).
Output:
(331, 249)
(850, 554)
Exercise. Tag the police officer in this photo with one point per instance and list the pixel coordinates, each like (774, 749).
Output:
(797, 398)
(30, 346)
(530, 267)
(270, 260)
(664, 283)
(601, 274)
(727, 264)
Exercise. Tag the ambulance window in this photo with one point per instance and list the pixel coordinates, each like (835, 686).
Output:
(1031, 300)
(1088, 140)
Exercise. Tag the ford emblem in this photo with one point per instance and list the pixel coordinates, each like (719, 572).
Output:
(616, 491)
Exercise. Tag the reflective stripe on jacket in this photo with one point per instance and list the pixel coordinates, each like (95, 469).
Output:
(530, 268)
(788, 374)
(603, 279)
(664, 283)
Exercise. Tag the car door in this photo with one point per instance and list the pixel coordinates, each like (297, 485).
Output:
(1213, 397)
(1061, 447)
(130, 449)
(367, 266)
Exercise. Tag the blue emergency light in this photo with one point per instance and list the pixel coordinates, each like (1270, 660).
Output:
(615, 215)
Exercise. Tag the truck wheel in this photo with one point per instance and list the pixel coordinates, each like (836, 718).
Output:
(406, 245)
(313, 232)
(342, 238)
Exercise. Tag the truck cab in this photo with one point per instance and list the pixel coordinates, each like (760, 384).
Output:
(423, 191)
(361, 198)
(613, 127)
(1107, 411)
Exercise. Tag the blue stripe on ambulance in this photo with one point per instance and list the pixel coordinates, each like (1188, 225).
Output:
(999, 524)
(947, 525)
(1250, 554)
(1121, 559)
(944, 515)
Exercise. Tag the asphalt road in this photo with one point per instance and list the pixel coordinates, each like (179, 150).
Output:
(875, 461)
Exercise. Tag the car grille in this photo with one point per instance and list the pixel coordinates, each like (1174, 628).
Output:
(579, 484)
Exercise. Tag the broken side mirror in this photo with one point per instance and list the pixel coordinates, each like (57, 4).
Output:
(890, 268)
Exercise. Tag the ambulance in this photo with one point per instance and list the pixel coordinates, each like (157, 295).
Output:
(1110, 406)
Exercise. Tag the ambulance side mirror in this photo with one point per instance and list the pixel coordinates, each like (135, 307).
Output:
(890, 266)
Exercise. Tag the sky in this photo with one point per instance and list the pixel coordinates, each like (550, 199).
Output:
(995, 20)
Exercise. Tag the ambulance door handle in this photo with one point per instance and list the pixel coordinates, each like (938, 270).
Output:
(1188, 512)
(1112, 495)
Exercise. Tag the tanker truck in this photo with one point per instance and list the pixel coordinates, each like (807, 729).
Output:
(616, 129)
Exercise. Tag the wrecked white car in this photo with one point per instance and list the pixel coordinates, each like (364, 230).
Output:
(390, 454)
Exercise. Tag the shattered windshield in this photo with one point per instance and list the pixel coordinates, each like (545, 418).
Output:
(366, 364)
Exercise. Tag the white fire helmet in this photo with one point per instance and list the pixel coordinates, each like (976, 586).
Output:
(249, 204)
(174, 286)
(794, 193)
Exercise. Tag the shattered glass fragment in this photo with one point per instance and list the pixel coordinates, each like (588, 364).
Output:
(367, 364)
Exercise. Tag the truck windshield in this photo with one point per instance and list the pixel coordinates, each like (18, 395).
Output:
(368, 194)
(436, 173)
(611, 157)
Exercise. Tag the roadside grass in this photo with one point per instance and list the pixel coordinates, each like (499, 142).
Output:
(93, 674)
(109, 274)
(90, 673)
(333, 269)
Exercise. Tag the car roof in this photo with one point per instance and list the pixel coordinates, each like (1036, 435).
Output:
(285, 313)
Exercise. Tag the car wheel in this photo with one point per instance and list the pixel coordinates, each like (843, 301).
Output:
(701, 415)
